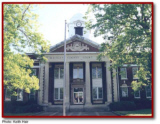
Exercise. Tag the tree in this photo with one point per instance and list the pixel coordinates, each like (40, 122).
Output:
(19, 34)
(130, 27)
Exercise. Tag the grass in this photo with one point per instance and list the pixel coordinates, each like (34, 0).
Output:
(19, 114)
(141, 112)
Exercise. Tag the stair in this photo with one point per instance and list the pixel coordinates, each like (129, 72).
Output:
(78, 108)
(55, 108)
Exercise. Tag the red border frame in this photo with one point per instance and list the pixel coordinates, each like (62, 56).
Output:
(83, 116)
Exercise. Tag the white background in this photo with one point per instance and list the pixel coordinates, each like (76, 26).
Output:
(155, 120)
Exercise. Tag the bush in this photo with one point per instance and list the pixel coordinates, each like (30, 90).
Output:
(122, 106)
(143, 103)
(20, 107)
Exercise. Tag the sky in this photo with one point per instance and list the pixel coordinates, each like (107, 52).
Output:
(52, 19)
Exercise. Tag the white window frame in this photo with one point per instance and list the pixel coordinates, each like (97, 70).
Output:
(17, 95)
(146, 92)
(59, 98)
(5, 95)
(132, 72)
(138, 96)
(97, 72)
(97, 88)
(59, 73)
(122, 91)
(78, 72)
(125, 72)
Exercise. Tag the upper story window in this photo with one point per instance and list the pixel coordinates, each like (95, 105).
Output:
(134, 72)
(96, 71)
(58, 72)
(19, 95)
(77, 71)
(79, 30)
(123, 73)
(7, 95)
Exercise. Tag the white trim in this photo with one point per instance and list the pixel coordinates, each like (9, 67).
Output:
(36, 67)
(125, 72)
(59, 98)
(22, 95)
(61, 53)
(122, 91)
(131, 65)
(97, 94)
(5, 95)
(132, 72)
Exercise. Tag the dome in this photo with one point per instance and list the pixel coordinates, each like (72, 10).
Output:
(78, 16)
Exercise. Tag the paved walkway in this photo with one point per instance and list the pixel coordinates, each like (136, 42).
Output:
(75, 114)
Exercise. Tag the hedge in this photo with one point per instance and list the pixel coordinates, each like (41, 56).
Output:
(122, 106)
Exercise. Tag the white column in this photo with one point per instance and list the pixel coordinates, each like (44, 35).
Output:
(109, 86)
(88, 87)
(40, 92)
(67, 83)
(115, 90)
(46, 90)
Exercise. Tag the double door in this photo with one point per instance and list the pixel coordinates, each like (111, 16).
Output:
(78, 96)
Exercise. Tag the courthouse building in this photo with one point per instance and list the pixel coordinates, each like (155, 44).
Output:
(89, 82)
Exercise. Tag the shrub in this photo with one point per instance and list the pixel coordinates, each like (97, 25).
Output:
(122, 106)
(143, 103)
(20, 107)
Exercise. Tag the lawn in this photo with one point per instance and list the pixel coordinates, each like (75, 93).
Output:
(141, 112)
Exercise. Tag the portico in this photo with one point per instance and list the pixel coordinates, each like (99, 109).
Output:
(88, 81)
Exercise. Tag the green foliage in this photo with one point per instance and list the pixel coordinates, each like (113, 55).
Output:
(122, 106)
(20, 33)
(130, 27)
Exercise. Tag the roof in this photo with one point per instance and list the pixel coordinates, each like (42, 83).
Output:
(73, 38)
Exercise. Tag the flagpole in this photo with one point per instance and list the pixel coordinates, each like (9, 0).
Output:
(64, 82)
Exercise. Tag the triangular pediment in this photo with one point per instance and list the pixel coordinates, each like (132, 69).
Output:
(76, 44)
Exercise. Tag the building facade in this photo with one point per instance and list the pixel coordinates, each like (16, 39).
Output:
(89, 82)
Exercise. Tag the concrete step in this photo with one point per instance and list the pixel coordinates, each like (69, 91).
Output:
(55, 108)
(78, 108)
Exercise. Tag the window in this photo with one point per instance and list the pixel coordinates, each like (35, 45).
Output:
(123, 73)
(79, 30)
(148, 91)
(7, 95)
(97, 93)
(124, 91)
(96, 71)
(34, 72)
(137, 94)
(58, 72)
(78, 71)
(19, 95)
(134, 72)
(32, 95)
(58, 93)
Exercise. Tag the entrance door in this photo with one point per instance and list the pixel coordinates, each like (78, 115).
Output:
(78, 97)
